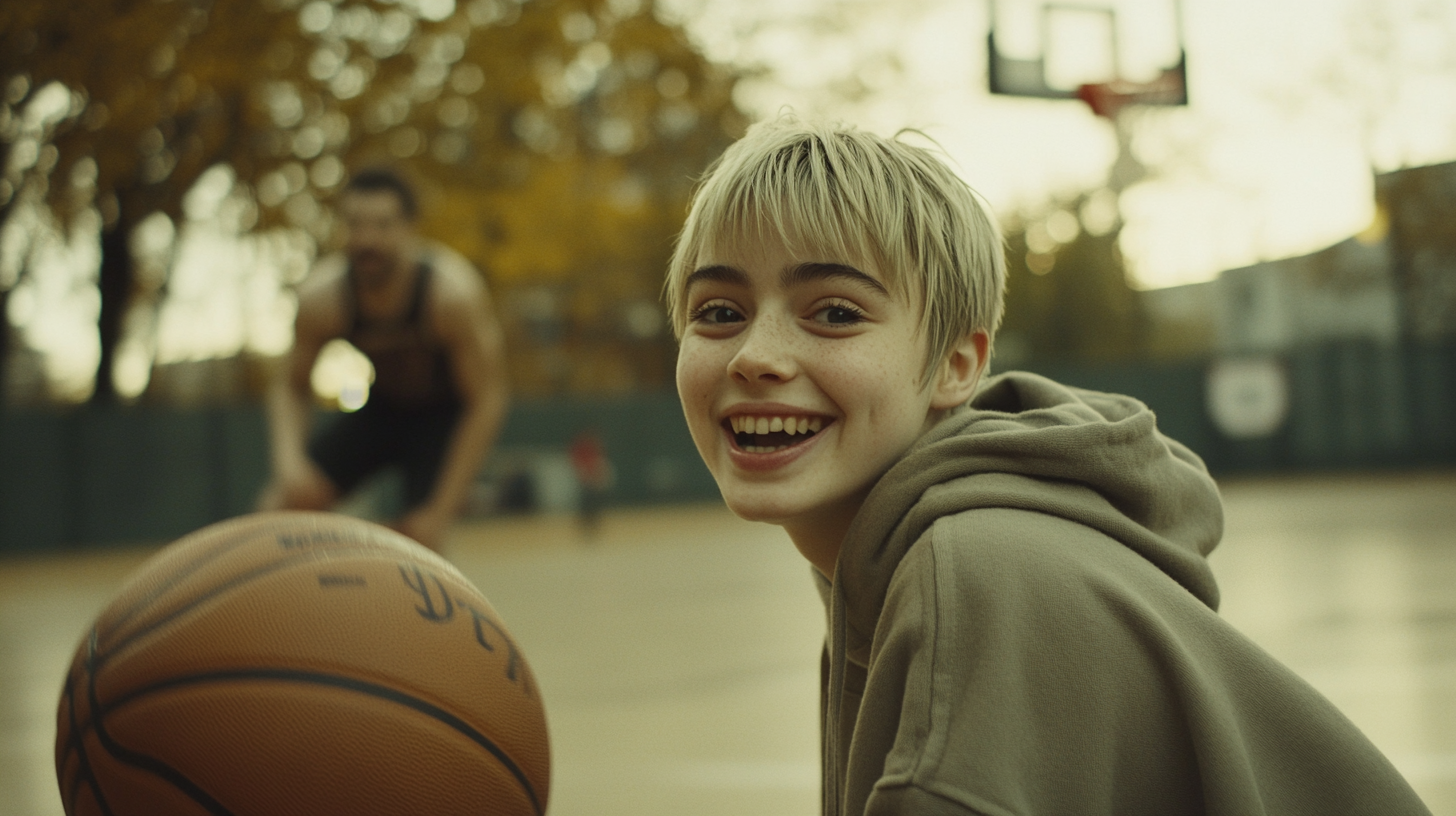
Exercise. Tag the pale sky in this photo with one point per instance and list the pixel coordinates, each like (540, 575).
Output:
(1292, 101)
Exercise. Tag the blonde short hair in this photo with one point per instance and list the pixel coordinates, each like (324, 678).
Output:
(821, 188)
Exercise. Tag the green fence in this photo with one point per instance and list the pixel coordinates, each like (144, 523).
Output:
(92, 475)
(1351, 405)
(99, 475)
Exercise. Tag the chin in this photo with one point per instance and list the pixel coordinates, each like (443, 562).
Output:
(760, 503)
(371, 266)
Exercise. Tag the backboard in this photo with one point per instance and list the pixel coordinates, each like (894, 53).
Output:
(1108, 53)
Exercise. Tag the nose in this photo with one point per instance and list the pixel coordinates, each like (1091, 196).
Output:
(766, 354)
(363, 236)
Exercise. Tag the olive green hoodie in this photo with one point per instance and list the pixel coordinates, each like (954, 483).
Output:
(1022, 621)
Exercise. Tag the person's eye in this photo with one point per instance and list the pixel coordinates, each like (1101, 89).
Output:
(716, 313)
(838, 314)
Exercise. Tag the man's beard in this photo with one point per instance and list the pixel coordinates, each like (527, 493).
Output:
(371, 266)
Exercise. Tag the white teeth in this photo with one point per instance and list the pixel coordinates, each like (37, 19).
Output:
(763, 425)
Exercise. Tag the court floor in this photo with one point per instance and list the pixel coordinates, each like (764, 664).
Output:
(678, 650)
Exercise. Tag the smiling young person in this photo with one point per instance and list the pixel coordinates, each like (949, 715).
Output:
(1021, 616)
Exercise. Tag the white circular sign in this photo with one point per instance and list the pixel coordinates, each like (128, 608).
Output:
(1248, 398)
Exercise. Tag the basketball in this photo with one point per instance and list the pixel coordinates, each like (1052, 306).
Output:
(300, 663)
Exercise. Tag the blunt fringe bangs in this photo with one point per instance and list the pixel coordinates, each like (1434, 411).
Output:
(842, 194)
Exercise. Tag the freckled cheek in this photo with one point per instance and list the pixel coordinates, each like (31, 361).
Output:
(876, 387)
(698, 375)
(864, 377)
(698, 360)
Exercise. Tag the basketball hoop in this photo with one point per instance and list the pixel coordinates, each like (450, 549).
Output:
(1107, 99)
(1036, 59)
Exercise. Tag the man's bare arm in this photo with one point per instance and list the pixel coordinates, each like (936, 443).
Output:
(296, 481)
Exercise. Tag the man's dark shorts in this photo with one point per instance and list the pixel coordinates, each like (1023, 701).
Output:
(353, 446)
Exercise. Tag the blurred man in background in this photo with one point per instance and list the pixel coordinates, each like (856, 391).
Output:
(421, 314)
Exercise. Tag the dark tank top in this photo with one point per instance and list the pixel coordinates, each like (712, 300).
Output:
(411, 367)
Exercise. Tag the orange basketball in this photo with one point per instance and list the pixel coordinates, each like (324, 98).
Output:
(300, 663)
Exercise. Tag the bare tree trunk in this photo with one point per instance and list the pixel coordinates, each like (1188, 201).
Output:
(116, 281)
(4, 347)
(5, 331)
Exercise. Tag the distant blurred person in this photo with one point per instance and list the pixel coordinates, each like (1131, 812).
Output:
(594, 475)
(421, 314)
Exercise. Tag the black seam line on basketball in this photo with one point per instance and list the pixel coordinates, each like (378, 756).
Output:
(303, 556)
(73, 746)
(100, 659)
(85, 774)
(241, 536)
(348, 684)
(136, 759)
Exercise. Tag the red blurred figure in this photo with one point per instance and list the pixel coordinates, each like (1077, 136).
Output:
(595, 476)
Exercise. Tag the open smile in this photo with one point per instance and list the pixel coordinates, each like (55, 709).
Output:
(771, 434)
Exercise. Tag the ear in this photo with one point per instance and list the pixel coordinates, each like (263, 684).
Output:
(956, 378)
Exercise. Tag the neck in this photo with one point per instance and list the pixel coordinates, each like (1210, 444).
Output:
(385, 294)
(396, 276)
(820, 538)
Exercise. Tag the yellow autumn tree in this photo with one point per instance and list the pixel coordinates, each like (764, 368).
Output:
(1067, 292)
(554, 140)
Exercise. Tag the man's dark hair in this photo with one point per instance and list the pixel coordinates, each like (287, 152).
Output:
(385, 180)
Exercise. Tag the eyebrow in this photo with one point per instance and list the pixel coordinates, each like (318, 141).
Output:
(719, 273)
(792, 276)
(806, 272)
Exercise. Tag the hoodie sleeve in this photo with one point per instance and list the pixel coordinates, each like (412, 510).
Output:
(1026, 664)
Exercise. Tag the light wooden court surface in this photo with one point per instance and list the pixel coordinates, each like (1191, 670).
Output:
(678, 652)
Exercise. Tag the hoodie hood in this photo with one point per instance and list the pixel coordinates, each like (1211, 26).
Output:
(1025, 442)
